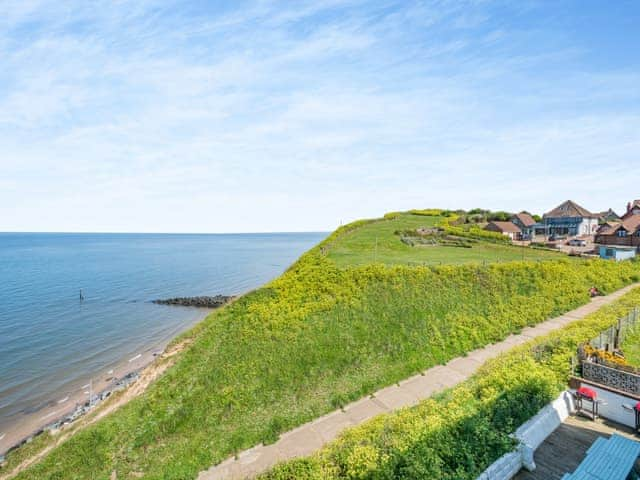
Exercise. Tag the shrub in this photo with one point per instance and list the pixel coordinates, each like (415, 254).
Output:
(432, 212)
(458, 434)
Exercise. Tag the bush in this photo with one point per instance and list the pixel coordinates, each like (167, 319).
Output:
(458, 434)
(472, 232)
(432, 212)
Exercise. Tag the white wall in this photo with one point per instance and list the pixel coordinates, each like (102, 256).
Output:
(588, 226)
(613, 409)
(505, 468)
(625, 254)
(530, 434)
(538, 428)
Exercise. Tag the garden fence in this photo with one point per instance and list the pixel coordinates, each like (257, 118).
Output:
(611, 338)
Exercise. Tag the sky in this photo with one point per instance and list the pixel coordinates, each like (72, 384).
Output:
(257, 116)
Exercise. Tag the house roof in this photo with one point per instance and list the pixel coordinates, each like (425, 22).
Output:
(569, 209)
(526, 219)
(608, 213)
(506, 227)
(631, 206)
(609, 228)
(631, 224)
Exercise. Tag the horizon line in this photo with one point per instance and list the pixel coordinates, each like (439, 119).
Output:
(155, 233)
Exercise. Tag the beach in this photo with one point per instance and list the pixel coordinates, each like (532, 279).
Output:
(102, 385)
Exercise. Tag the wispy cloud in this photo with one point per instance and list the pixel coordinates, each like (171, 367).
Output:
(265, 115)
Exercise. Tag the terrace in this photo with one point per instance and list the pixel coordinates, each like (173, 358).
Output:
(567, 446)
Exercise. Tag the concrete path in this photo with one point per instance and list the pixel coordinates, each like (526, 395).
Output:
(310, 437)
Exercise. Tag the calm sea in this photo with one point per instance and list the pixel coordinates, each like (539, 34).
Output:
(50, 341)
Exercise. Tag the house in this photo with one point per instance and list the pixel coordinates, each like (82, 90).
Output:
(509, 229)
(527, 225)
(633, 208)
(608, 216)
(625, 233)
(570, 219)
(617, 253)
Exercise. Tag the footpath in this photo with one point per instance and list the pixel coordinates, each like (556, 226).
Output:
(312, 436)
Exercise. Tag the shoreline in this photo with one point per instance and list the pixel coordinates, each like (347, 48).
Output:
(59, 413)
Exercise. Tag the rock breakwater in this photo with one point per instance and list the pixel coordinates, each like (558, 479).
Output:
(216, 301)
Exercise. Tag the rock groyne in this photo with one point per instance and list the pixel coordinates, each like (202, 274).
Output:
(216, 301)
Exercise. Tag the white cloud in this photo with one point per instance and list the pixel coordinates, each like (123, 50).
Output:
(151, 116)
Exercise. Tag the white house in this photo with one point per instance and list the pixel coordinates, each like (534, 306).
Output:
(570, 219)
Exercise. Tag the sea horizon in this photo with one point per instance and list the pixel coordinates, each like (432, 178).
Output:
(161, 233)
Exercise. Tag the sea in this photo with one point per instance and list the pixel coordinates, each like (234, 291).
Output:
(52, 341)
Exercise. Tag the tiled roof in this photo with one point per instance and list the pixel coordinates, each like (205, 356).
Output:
(608, 213)
(608, 228)
(506, 227)
(526, 219)
(632, 205)
(631, 224)
(570, 209)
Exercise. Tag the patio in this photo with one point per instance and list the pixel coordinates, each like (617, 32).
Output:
(565, 448)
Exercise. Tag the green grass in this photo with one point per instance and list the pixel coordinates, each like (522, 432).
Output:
(316, 338)
(458, 434)
(631, 346)
(376, 242)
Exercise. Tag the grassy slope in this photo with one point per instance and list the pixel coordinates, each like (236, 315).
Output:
(314, 339)
(457, 434)
(359, 247)
(631, 346)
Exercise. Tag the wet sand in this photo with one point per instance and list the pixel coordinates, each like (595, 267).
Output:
(26, 425)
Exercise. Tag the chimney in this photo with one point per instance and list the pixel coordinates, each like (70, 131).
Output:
(629, 207)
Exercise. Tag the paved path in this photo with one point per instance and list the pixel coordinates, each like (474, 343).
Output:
(310, 437)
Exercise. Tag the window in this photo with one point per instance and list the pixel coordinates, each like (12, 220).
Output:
(609, 252)
(621, 233)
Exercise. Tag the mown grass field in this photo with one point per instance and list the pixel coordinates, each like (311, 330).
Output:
(321, 335)
(376, 242)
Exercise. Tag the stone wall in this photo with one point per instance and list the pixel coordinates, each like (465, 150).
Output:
(611, 377)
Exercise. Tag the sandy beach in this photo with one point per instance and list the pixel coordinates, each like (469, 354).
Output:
(27, 425)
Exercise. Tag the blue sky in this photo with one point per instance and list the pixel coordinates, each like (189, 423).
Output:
(210, 116)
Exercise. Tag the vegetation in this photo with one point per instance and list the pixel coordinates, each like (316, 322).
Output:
(458, 434)
(603, 356)
(325, 333)
(376, 241)
(631, 346)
